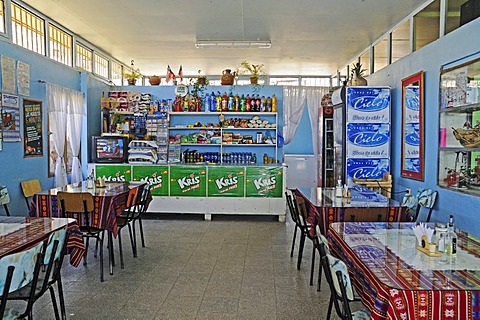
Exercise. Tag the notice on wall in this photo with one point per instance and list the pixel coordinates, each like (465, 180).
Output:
(23, 75)
(8, 75)
(32, 128)
(11, 124)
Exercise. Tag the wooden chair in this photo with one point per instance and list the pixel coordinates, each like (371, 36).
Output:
(29, 188)
(19, 270)
(380, 186)
(342, 294)
(54, 252)
(79, 205)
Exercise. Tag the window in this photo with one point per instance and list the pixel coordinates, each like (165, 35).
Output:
(116, 72)
(365, 62)
(290, 81)
(28, 30)
(60, 45)
(380, 51)
(83, 58)
(401, 41)
(2, 16)
(316, 82)
(454, 15)
(101, 66)
(427, 25)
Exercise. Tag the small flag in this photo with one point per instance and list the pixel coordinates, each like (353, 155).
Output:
(170, 75)
(180, 73)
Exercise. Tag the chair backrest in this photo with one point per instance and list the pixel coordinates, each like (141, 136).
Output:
(24, 263)
(29, 188)
(76, 205)
(291, 207)
(425, 198)
(53, 258)
(145, 194)
(341, 289)
(132, 203)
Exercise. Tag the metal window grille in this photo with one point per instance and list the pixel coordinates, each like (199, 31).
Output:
(60, 45)
(83, 58)
(100, 66)
(28, 30)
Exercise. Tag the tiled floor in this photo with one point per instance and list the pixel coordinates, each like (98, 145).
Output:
(228, 268)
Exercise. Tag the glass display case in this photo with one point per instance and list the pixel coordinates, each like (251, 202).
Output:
(459, 141)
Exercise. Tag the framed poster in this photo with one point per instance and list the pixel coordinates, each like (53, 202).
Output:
(32, 128)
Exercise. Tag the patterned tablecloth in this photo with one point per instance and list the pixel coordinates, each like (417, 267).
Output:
(396, 281)
(109, 202)
(21, 233)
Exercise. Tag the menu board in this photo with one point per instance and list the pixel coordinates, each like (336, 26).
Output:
(32, 128)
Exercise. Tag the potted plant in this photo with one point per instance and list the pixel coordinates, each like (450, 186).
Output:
(132, 76)
(199, 84)
(255, 70)
(357, 78)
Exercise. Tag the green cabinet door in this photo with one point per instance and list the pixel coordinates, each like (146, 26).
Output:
(155, 176)
(188, 181)
(226, 181)
(264, 182)
(114, 173)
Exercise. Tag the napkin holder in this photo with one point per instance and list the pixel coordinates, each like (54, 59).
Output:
(100, 183)
(424, 236)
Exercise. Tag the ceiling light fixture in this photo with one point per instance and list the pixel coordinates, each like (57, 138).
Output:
(240, 44)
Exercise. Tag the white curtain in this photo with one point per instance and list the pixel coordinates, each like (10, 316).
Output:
(75, 114)
(57, 115)
(314, 99)
(293, 100)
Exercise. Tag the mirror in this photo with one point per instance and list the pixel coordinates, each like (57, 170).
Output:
(412, 127)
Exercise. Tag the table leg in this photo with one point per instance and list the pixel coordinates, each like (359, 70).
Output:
(111, 258)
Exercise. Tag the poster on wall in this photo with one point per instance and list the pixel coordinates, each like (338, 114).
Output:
(32, 128)
(10, 100)
(8, 75)
(23, 78)
(11, 124)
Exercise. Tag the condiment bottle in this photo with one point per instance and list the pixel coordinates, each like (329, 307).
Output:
(451, 239)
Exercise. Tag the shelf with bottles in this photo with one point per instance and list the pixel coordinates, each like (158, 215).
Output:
(459, 117)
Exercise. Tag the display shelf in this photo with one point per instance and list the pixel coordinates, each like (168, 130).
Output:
(459, 148)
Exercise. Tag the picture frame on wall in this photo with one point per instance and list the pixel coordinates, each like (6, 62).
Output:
(32, 128)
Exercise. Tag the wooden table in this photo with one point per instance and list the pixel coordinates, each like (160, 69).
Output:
(20, 233)
(364, 205)
(396, 281)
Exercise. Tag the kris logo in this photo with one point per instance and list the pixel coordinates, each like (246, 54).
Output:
(268, 182)
(368, 138)
(153, 180)
(115, 178)
(227, 183)
(189, 182)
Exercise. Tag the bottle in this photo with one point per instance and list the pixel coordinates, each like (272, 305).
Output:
(236, 103)
(339, 189)
(224, 102)
(218, 102)
(243, 104)
(213, 102)
(274, 103)
(451, 239)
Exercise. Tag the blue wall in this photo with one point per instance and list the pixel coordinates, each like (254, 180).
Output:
(14, 167)
(302, 140)
(460, 43)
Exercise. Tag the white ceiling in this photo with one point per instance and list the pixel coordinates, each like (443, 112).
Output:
(309, 37)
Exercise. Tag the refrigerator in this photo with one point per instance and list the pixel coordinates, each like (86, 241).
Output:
(362, 133)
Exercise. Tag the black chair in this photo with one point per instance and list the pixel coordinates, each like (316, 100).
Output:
(50, 275)
(142, 206)
(79, 205)
(341, 289)
(20, 270)
(308, 226)
(125, 220)
(294, 216)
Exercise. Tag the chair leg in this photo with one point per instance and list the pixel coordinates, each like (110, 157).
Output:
(330, 305)
(320, 268)
(86, 251)
(61, 298)
(54, 303)
(300, 251)
(120, 246)
(101, 259)
(293, 241)
(133, 239)
(312, 267)
(141, 230)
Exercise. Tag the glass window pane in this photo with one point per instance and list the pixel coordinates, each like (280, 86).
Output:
(60, 45)
(116, 73)
(427, 25)
(287, 81)
(365, 62)
(401, 41)
(28, 30)
(101, 66)
(316, 82)
(2, 16)
(84, 58)
(455, 16)
(380, 51)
